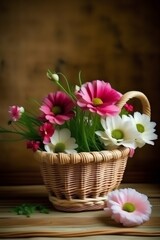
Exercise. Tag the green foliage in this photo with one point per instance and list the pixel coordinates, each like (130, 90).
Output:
(28, 209)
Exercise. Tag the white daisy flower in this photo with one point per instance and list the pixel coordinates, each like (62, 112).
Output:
(118, 131)
(145, 128)
(61, 141)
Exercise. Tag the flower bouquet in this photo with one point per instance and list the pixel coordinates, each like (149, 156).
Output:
(83, 137)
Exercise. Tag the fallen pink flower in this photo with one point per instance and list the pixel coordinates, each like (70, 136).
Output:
(127, 206)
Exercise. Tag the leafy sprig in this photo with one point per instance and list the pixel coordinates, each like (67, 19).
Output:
(28, 209)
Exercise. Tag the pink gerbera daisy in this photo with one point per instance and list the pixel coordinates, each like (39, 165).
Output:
(127, 206)
(57, 107)
(99, 97)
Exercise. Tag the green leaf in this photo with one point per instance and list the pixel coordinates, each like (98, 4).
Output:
(28, 209)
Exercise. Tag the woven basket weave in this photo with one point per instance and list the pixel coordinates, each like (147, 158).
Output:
(81, 181)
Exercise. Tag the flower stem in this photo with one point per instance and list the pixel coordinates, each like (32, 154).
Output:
(68, 92)
(79, 77)
(95, 119)
(68, 86)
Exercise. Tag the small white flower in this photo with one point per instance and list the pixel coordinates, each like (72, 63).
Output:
(145, 128)
(61, 141)
(118, 131)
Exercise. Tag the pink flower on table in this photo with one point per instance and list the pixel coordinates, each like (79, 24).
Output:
(57, 107)
(46, 131)
(127, 206)
(34, 145)
(15, 112)
(99, 97)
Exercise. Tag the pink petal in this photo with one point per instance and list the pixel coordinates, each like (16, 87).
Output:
(116, 200)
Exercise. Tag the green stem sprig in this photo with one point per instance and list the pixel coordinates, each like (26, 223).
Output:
(68, 91)
(28, 209)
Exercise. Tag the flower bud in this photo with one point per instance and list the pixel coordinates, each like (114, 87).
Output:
(55, 77)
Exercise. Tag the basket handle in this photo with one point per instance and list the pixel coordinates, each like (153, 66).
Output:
(136, 94)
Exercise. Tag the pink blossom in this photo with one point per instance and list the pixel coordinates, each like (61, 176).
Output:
(57, 107)
(34, 145)
(127, 206)
(132, 152)
(46, 131)
(99, 97)
(15, 112)
(129, 107)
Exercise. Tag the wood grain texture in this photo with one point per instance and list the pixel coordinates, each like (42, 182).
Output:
(103, 39)
(73, 225)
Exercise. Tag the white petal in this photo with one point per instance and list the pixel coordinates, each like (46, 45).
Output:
(64, 134)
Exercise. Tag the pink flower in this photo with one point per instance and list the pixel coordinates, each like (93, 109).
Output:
(129, 107)
(127, 206)
(46, 131)
(15, 112)
(57, 107)
(99, 97)
(132, 152)
(34, 145)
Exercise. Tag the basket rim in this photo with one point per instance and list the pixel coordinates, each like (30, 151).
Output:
(82, 157)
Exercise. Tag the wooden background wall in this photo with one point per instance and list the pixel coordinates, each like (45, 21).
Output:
(117, 41)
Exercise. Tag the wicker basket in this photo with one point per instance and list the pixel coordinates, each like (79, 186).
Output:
(81, 181)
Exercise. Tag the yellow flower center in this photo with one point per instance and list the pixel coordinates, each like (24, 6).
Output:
(117, 134)
(56, 110)
(60, 147)
(140, 127)
(129, 207)
(97, 101)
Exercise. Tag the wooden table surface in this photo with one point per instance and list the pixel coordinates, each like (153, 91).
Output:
(59, 225)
